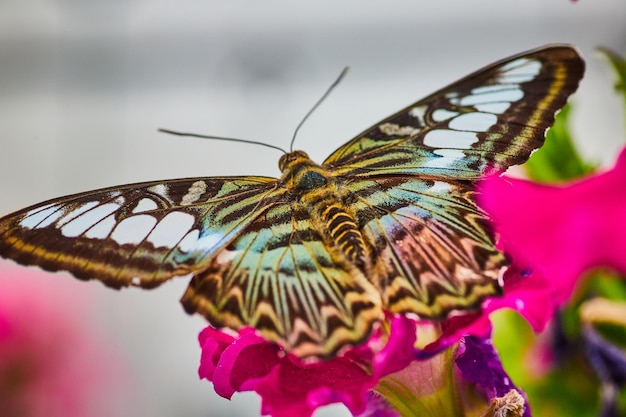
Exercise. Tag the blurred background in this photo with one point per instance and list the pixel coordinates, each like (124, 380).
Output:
(84, 86)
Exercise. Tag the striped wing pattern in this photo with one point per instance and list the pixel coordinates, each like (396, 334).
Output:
(299, 291)
(313, 259)
(433, 248)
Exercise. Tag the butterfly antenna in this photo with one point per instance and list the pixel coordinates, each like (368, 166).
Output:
(331, 88)
(195, 135)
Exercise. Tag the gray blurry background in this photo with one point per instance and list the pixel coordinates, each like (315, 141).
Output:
(84, 85)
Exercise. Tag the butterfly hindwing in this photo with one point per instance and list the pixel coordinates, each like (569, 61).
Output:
(139, 234)
(491, 119)
(432, 248)
(280, 277)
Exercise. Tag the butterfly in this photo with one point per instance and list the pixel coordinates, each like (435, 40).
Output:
(313, 259)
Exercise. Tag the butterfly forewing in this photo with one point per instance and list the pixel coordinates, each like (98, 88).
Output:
(312, 259)
(140, 234)
(491, 119)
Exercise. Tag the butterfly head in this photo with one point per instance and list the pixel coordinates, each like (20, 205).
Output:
(291, 159)
(301, 174)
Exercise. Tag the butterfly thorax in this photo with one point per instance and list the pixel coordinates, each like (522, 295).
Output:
(301, 174)
(324, 196)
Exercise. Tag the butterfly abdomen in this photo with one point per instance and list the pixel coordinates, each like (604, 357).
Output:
(344, 233)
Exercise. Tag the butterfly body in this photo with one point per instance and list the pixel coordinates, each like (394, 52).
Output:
(313, 259)
(328, 201)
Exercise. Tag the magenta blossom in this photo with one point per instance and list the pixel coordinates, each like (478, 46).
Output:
(560, 232)
(552, 233)
(290, 387)
(52, 362)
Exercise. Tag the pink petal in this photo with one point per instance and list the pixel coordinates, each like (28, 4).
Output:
(562, 231)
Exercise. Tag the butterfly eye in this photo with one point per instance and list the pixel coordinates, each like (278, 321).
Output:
(288, 160)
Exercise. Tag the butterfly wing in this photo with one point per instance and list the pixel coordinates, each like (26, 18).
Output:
(413, 177)
(432, 248)
(281, 278)
(491, 119)
(139, 234)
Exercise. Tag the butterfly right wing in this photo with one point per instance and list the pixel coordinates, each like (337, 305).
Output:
(138, 234)
(491, 119)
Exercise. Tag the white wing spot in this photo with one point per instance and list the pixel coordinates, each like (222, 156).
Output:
(102, 229)
(419, 112)
(145, 204)
(490, 89)
(450, 139)
(82, 223)
(33, 218)
(159, 189)
(75, 213)
(392, 129)
(194, 193)
(448, 158)
(441, 187)
(510, 95)
(474, 122)
(171, 229)
(190, 241)
(208, 242)
(440, 115)
(133, 229)
(495, 108)
(520, 71)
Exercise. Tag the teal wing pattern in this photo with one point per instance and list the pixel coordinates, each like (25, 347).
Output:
(431, 246)
(282, 278)
(256, 258)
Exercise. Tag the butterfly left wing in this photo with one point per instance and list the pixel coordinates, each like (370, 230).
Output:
(281, 277)
(139, 234)
(254, 251)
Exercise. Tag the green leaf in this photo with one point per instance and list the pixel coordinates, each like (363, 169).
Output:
(558, 159)
(619, 65)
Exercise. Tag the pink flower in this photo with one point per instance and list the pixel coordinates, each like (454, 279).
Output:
(552, 233)
(51, 362)
(557, 233)
(290, 387)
